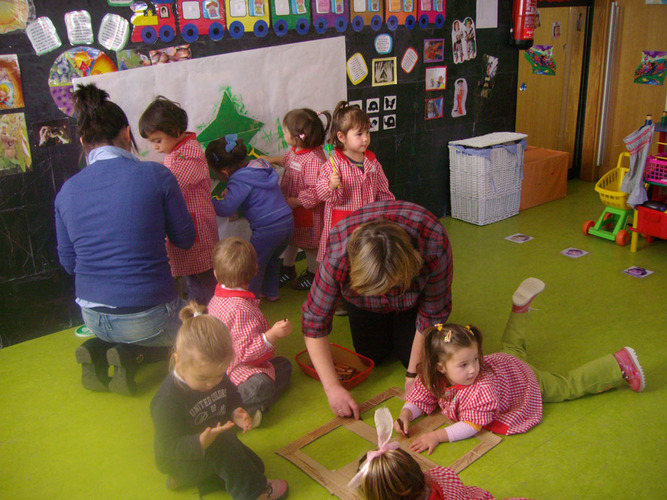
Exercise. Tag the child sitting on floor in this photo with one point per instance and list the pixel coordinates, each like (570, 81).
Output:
(259, 376)
(191, 442)
(500, 392)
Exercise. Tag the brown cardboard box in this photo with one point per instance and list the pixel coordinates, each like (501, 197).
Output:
(544, 176)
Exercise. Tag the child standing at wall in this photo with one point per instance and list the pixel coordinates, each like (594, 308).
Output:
(194, 410)
(304, 131)
(164, 123)
(259, 376)
(252, 187)
(500, 392)
(353, 177)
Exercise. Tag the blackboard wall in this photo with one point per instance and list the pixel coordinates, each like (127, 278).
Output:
(37, 298)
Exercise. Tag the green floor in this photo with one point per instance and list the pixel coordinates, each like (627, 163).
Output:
(59, 441)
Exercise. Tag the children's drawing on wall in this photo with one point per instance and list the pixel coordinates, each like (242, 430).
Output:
(538, 19)
(436, 78)
(170, 54)
(555, 29)
(470, 47)
(14, 147)
(541, 59)
(74, 63)
(52, 133)
(651, 70)
(434, 108)
(11, 91)
(211, 9)
(488, 78)
(357, 70)
(15, 15)
(460, 96)
(409, 60)
(434, 50)
(384, 71)
(457, 42)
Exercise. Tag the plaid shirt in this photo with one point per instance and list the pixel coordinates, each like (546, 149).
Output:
(505, 397)
(430, 291)
(357, 189)
(239, 311)
(299, 179)
(188, 164)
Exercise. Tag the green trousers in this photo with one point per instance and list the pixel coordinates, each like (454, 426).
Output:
(593, 377)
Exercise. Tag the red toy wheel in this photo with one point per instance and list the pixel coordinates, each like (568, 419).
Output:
(622, 238)
(587, 226)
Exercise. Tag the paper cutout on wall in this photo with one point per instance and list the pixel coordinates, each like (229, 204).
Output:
(79, 27)
(248, 16)
(137, 58)
(384, 71)
(114, 32)
(555, 30)
(73, 63)
(52, 133)
(436, 78)
(434, 108)
(357, 70)
(652, 68)
(43, 36)
(330, 14)
(366, 13)
(400, 12)
(383, 44)
(290, 15)
(196, 17)
(247, 77)
(11, 90)
(16, 15)
(431, 12)
(541, 59)
(489, 77)
(460, 97)
(14, 147)
(434, 50)
(409, 59)
(464, 40)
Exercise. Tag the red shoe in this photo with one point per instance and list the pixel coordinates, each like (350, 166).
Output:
(631, 369)
(276, 489)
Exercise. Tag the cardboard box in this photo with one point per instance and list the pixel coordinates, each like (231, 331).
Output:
(544, 176)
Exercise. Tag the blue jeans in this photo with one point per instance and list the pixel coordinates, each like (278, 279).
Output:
(156, 326)
(269, 243)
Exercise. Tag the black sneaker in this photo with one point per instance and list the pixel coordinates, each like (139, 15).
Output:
(287, 274)
(304, 281)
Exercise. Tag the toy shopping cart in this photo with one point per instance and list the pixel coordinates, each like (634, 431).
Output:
(616, 216)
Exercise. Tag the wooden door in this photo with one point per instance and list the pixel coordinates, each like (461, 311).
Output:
(547, 107)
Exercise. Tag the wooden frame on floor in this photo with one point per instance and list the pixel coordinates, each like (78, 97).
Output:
(335, 481)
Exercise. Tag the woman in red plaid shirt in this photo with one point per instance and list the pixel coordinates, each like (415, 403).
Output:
(164, 123)
(500, 392)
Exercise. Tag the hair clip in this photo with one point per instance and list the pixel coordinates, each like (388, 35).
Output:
(319, 113)
(438, 326)
(448, 337)
(196, 313)
(215, 157)
(230, 139)
(302, 136)
(467, 327)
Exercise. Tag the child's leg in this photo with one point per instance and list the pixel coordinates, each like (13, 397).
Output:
(289, 255)
(283, 369)
(238, 466)
(256, 392)
(593, 377)
(514, 338)
(311, 259)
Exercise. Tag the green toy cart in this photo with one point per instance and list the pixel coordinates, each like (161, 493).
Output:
(618, 214)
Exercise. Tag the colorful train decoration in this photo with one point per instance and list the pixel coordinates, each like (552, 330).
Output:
(162, 20)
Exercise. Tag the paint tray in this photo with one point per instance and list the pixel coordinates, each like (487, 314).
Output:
(341, 356)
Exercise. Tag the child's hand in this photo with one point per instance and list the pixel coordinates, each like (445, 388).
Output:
(334, 180)
(279, 330)
(207, 437)
(402, 423)
(293, 203)
(242, 419)
(428, 441)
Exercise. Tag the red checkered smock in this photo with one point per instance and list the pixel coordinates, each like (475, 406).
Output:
(357, 189)
(430, 291)
(188, 163)
(239, 311)
(446, 485)
(299, 179)
(505, 398)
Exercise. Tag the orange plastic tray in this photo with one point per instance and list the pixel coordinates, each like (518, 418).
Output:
(340, 354)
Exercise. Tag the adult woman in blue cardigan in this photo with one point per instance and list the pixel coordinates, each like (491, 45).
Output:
(111, 222)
